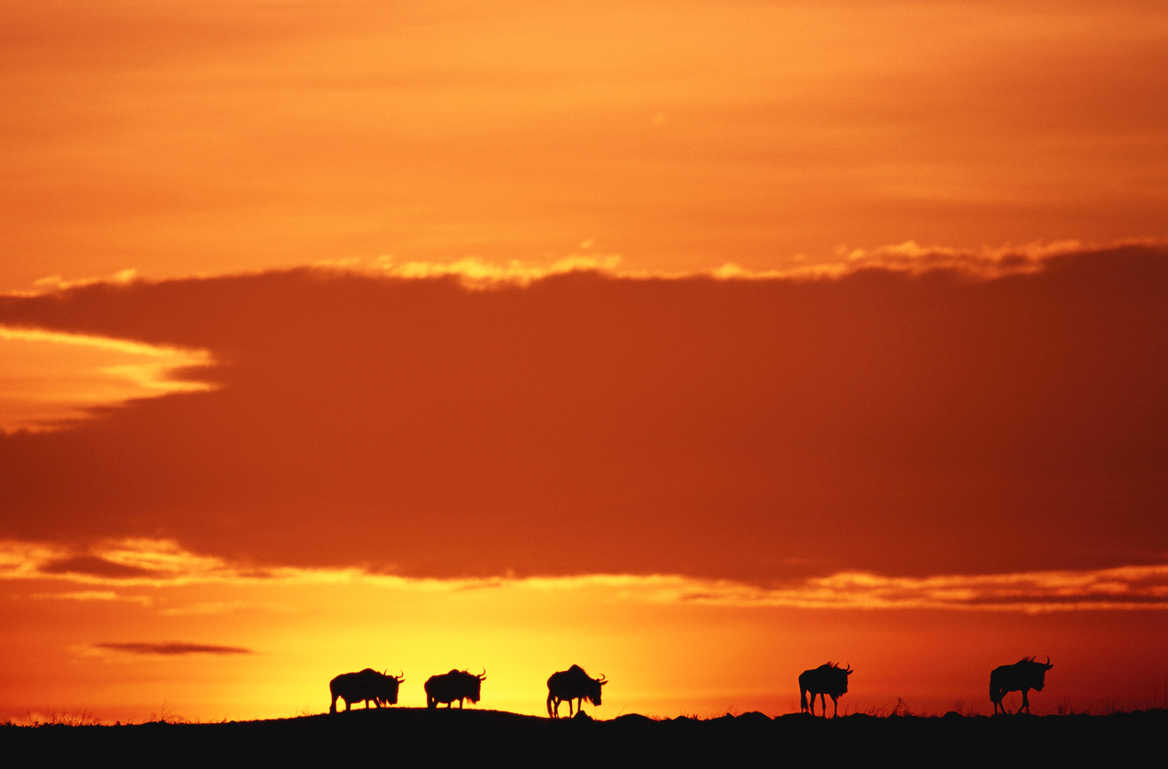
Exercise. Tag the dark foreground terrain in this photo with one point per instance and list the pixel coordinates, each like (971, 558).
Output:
(444, 737)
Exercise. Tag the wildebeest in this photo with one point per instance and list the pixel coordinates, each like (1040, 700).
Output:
(1022, 676)
(829, 679)
(455, 685)
(572, 684)
(366, 685)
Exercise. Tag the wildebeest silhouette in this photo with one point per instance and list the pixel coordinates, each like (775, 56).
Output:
(365, 685)
(829, 679)
(572, 684)
(1022, 676)
(456, 685)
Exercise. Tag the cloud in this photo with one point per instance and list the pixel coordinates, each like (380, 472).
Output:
(93, 566)
(1122, 588)
(909, 257)
(1143, 587)
(57, 283)
(131, 561)
(171, 648)
(52, 378)
(756, 429)
(985, 262)
(102, 596)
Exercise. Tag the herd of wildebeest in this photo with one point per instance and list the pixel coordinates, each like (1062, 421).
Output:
(573, 684)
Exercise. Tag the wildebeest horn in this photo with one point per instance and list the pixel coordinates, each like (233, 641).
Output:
(602, 680)
(483, 675)
(401, 677)
(1048, 665)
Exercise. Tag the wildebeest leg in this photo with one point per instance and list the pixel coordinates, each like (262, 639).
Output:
(835, 704)
(348, 706)
(1025, 701)
(823, 704)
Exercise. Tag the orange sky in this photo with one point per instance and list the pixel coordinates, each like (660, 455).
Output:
(696, 343)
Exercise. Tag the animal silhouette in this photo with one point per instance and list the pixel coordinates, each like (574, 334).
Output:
(572, 684)
(829, 679)
(455, 685)
(1022, 676)
(365, 685)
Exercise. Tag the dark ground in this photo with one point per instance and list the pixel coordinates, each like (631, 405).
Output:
(444, 737)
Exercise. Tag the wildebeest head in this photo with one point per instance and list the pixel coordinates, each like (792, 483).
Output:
(475, 684)
(1036, 671)
(842, 674)
(390, 685)
(847, 672)
(590, 687)
(594, 688)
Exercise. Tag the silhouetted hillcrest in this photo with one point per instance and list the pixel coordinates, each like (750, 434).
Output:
(474, 734)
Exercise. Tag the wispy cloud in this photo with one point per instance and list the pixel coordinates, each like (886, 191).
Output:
(131, 561)
(94, 566)
(907, 256)
(171, 648)
(1128, 587)
(58, 283)
(101, 596)
(52, 379)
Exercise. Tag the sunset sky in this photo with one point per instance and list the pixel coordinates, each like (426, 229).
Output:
(694, 342)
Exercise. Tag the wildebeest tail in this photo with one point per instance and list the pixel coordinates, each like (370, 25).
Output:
(802, 699)
(549, 705)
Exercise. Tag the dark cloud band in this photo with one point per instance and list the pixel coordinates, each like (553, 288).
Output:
(753, 429)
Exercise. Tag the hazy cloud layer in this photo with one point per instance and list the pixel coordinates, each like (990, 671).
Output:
(752, 429)
(1117, 588)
